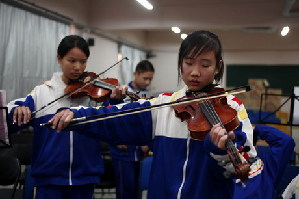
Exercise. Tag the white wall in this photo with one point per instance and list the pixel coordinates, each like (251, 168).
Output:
(103, 55)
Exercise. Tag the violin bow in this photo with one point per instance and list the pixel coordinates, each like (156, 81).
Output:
(78, 88)
(99, 117)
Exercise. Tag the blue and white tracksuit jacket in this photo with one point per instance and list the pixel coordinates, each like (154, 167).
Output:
(182, 167)
(66, 158)
(272, 163)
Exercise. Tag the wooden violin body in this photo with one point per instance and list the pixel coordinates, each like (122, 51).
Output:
(96, 93)
(98, 90)
(198, 123)
(202, 115)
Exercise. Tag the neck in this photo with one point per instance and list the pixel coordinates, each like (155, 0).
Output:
(136, 86)
(205, 89)
(65, 79)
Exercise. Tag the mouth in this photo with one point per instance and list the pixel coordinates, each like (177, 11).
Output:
(194, 83)
(76, 75)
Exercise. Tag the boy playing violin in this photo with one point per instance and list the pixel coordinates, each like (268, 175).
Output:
(182, 167)
(126, 159)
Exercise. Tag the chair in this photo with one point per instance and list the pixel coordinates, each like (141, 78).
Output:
(22, 150)
(10, 171)
(106, 187)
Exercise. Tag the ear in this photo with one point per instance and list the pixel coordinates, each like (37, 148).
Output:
(220, 65)
(59, 59)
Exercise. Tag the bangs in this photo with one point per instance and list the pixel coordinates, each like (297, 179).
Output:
(200, 48)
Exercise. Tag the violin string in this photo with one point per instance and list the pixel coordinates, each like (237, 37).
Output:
(214, 118)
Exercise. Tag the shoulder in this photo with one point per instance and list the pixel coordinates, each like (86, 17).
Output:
(233, 100)
(167, 94)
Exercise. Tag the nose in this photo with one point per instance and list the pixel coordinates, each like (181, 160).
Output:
(147, 82)
(195, 71)
(77, 66)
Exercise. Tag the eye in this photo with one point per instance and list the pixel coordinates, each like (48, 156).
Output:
(188, 62)
(71, 60)
(205, 66)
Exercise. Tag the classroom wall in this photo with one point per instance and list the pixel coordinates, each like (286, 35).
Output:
(102, 55)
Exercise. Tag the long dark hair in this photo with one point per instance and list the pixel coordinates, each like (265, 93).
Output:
(199, 42)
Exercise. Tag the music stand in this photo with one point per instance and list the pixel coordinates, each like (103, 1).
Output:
(290, 123)
(4, 135)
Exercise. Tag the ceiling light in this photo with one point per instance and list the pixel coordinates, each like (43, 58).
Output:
(183, 36)
(285, 30)
(176, 29)
(145, 4)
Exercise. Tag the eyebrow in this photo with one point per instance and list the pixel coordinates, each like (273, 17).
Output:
(77, 58)
(188, 57)
(202, 60)
(206, 60)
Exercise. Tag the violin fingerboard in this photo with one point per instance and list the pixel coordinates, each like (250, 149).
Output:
(103, 84)
(210, 113)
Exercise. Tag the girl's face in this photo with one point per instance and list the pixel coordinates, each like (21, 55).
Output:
(199, 71)
(72, 64)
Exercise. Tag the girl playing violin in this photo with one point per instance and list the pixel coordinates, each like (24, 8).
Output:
(182, 167)
(66, 165)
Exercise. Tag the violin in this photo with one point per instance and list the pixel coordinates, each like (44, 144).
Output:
(88, 78)
(98, 90)
(202, 115)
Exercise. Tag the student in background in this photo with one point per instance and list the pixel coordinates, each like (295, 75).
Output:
(126, 159)
(182, 167)
(273, 163)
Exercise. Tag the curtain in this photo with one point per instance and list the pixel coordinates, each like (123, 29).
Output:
(128, 66)
(28, 44)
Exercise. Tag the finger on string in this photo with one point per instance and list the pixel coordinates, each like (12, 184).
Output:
(220, 132)
(222, 141)
(231, 135)
(213, 131)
